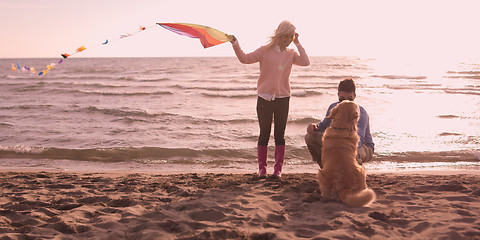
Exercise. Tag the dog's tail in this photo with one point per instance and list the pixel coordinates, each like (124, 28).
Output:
(359, 199)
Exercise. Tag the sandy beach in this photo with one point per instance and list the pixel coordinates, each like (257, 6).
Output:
(70, 205)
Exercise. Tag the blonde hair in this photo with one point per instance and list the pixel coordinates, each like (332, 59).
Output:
(285, 27)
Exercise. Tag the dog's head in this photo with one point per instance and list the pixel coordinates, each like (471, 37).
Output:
(345, 115)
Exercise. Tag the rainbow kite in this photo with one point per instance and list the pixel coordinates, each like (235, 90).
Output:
(208, 36)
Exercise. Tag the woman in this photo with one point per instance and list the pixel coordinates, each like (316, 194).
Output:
(273, 89)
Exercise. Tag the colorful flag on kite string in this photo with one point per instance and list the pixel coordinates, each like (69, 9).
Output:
(16, 67)
(208, 37)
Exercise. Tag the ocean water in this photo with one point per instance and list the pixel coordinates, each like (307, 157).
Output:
(200, 112)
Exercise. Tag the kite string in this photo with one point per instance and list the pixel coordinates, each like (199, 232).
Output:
(107, 41)
(17, 67)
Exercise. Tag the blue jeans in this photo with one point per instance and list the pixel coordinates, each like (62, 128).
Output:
(276, 110)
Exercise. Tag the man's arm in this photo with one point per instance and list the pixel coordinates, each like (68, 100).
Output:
(325, 123)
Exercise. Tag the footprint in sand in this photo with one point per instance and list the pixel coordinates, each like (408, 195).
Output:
(211, 215)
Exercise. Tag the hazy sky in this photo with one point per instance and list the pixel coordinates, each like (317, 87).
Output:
(403, 29)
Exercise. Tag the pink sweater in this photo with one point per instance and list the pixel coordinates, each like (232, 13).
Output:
(275, 68)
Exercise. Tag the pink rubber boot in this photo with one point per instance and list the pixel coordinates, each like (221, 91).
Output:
(262, 160)
(279, 157)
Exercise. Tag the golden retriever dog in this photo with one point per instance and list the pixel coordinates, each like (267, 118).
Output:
(341, 177)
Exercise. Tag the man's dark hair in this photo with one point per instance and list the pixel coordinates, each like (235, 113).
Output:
(347, 85)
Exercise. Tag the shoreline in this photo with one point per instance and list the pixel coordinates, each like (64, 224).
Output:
(445, 172)
(374, 167)
(107, 205)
